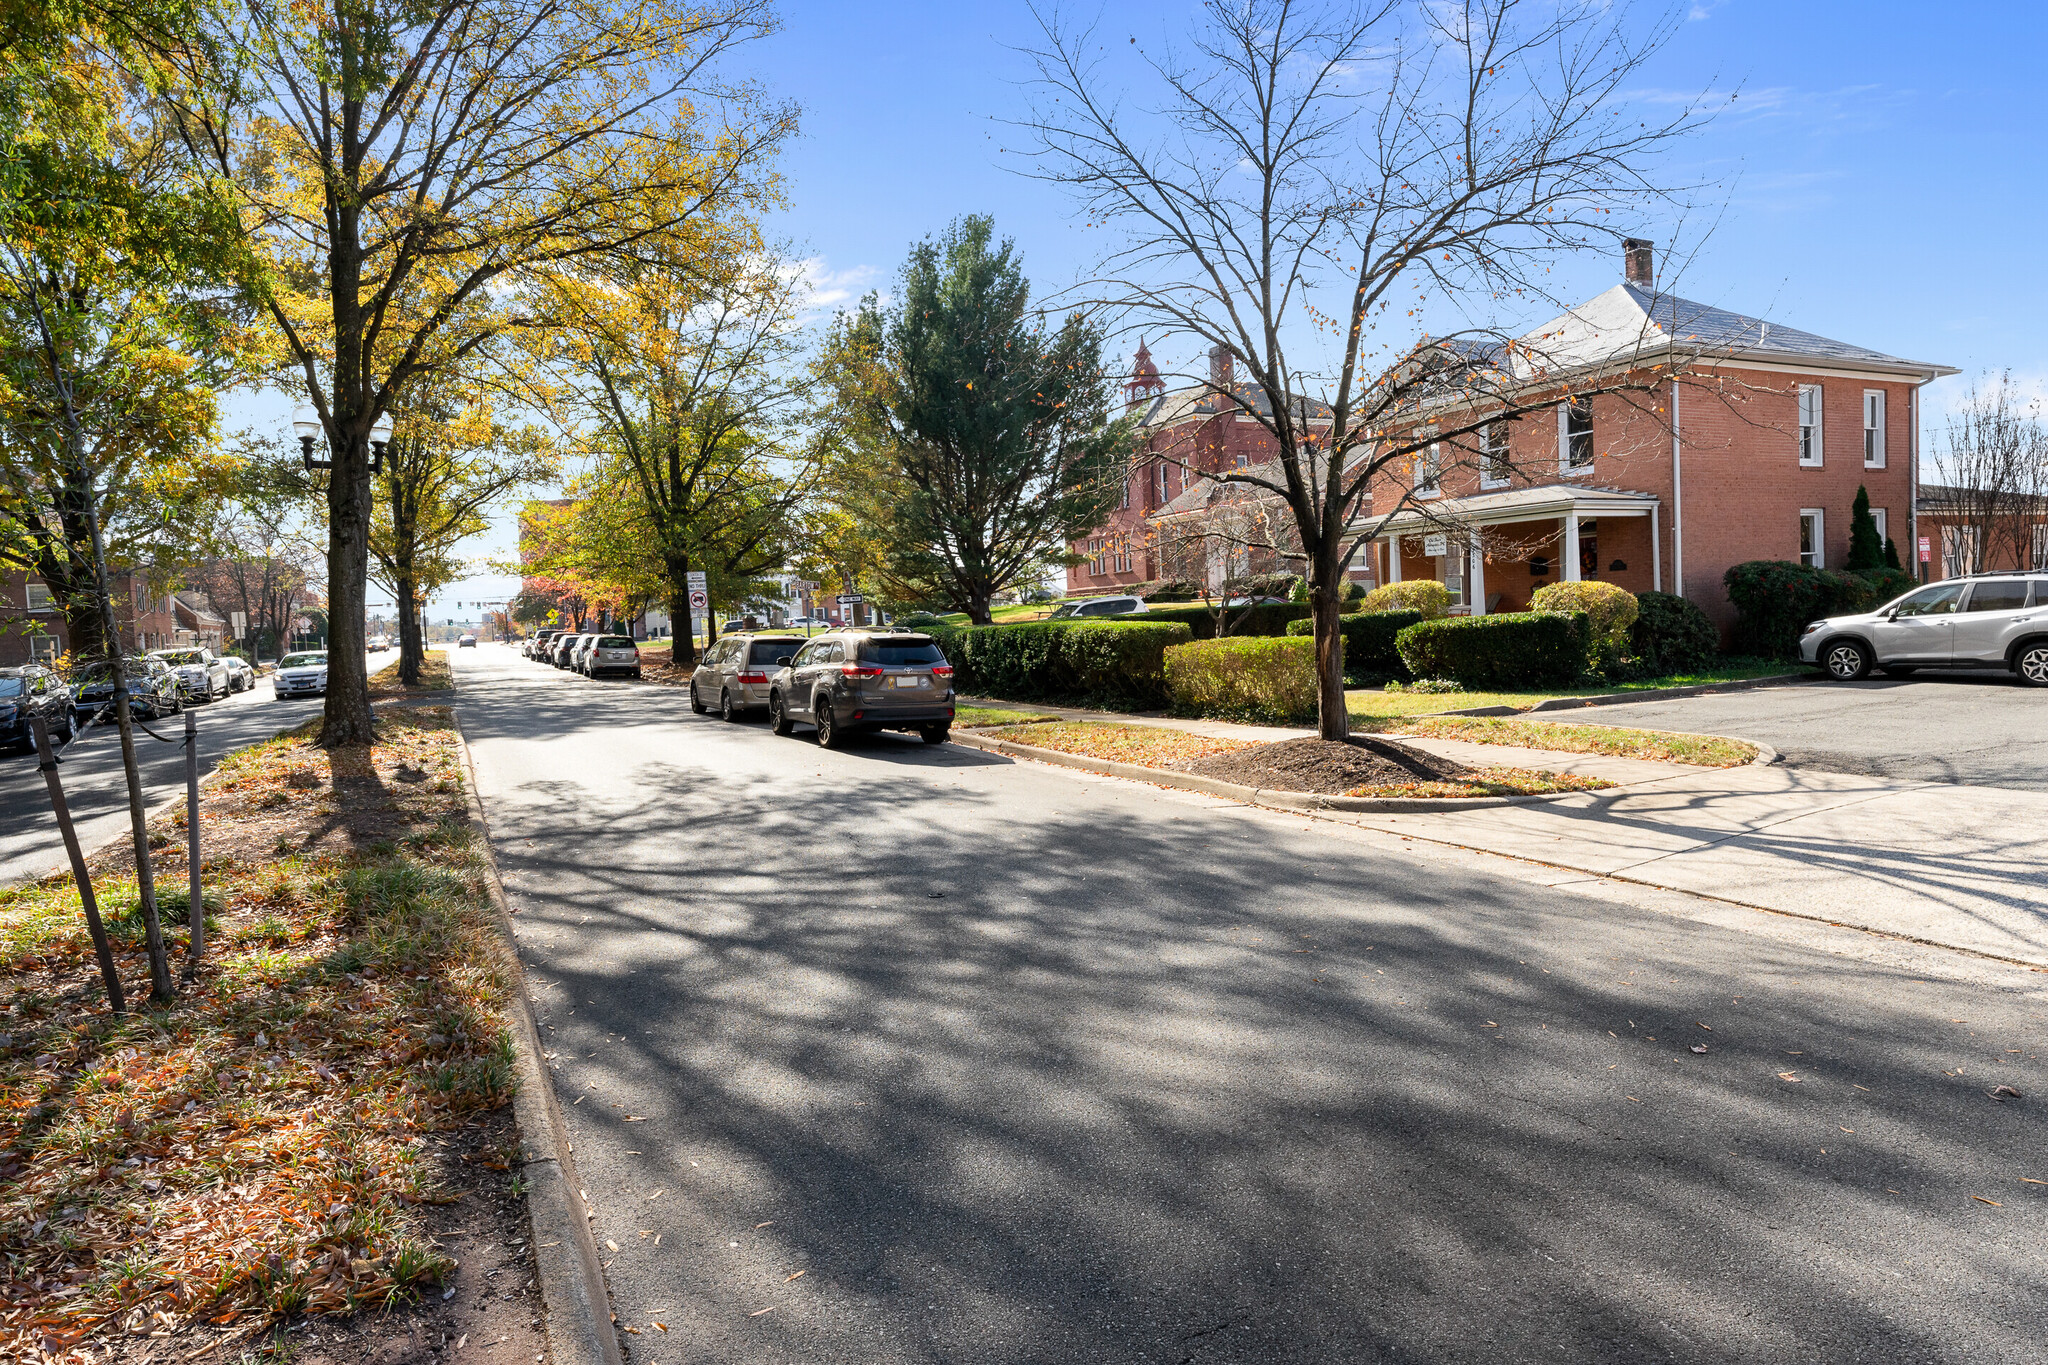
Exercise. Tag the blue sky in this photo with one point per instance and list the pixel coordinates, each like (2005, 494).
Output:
(1878, 172)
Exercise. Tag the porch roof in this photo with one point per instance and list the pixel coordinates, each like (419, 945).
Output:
(1511, 505)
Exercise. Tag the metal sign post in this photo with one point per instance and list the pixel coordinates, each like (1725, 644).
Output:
(195, 914)
(102, 949)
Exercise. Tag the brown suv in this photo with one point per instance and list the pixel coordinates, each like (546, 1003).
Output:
(734, 673)
(865, 680)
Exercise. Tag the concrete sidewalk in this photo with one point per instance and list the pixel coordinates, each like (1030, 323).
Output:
(1962, 867)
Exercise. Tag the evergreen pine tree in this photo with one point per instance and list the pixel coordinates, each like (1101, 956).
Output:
(1891, 554)
(1866, 547)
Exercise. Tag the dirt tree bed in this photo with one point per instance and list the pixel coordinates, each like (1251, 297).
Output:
(1327, 767)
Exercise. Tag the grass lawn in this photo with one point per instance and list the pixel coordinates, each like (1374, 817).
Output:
(267, 1144)
(1370, 704)
(1701, 750)
(435, 676)
(1004, 615)
(1491, 782)
(995, 715)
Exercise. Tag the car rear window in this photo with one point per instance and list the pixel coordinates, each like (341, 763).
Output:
(896, 653)
(768, 651)
(11, 687)
(615, 642)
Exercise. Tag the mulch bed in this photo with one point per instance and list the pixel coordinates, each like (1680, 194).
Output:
(1327, 767)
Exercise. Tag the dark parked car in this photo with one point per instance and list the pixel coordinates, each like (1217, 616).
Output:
(29, 691)
(152, 691)
(562, 650)
(861, 680)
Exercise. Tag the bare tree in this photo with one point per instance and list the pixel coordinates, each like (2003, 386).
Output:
(1991, 476)
(1225, 536)
(1310, 174)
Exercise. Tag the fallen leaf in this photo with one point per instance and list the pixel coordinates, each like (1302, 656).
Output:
(1708, 1027)
(610, 1245)
(1699, 1047)
(787, 1278)
(630, 1118)
(1992, 1202)
(2029, 1180)
(759, 1311)
(662, 1325)
(2003, 1092)
(659, 1193)
(460, 1341)
(769, 1224)
(1791, 1076)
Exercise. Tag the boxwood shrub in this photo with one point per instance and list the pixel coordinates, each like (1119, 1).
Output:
(1369, 650)
(1512, 650)
(1258, 678)
(1265, 618)
(1117, 660)
(1672, 635)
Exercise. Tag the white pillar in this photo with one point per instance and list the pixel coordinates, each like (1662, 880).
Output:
(1393, 559)
(1571, 546)
(1656, 554)
(1478, 575)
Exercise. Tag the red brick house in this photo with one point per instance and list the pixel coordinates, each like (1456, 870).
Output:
(1754, 451)
(1976, 530)
(33, 627)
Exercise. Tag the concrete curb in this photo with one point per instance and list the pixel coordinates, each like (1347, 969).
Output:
(1255, 796)
(1650, 694)
(579, 1317)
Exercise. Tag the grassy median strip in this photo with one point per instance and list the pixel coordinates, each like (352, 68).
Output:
(1490, 782)
(996, 715)
(435, 676)
(1150, 746)
(1705, 751)
(259, 1148)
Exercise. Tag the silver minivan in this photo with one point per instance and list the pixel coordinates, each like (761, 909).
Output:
(1997, 620)
(734, 673)
(856, 680)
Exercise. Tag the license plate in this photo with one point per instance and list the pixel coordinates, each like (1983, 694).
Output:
(900, 683)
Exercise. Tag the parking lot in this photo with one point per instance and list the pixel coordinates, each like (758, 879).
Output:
(1980, 729)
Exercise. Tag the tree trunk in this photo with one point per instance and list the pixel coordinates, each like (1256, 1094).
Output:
(682, 629)
(412, 651)
(347, 720)
(1325, 601)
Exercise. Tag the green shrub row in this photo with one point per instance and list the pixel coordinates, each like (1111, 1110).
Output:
(1672, 635)
(1775, 598)
(1256, 678)
(1113, 660)
(1503, 651)
(1369, 649)
(1264, 618)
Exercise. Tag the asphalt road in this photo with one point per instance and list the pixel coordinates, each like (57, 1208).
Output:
(1979, 729)
(898, 1054)
(30, 845)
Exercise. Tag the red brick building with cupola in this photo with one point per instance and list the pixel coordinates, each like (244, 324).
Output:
(1736, 439)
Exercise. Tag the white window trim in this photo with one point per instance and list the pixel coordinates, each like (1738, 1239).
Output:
(1819, 425)
(2040, 546)
(1820, 535)
(1883, 531)
(1565, 467)
(1487, 478)
(1868, 428)
(38, 597)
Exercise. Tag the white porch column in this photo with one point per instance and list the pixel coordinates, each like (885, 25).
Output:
(1478, 576)
(1656, 554)
(1571, 546)
(1393, 559)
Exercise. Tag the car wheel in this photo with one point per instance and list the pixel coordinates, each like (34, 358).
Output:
(726, 710)
(1847, 661)
(778, 718)
(935, 734)
(2032, 664)
(828, 728)
(695, 704)
(70, 727)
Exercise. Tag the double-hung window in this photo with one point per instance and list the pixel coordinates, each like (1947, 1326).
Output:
(1165, 470)
(1575, 436)
(1877, 514)
(1496, 465)
(38, 596)
(1429, 471)
(1873, 428)
(1809, 425)
(1812, 538)
(2040, 546)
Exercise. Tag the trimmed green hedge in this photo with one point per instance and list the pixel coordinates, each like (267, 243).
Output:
(1513, 650)
(1369, 649)
(1672, 635)
(1266, 618)
(1775, 598)
(1256, 678)
(1116, 659)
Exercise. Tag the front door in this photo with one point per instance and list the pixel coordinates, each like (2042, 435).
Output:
(1922, 626)
(1985, 624)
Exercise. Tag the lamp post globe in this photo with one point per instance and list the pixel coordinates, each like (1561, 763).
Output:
(307, 427)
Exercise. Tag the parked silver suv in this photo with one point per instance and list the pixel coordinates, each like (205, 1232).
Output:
(734, 673)
(865, 680)
(1997, 620)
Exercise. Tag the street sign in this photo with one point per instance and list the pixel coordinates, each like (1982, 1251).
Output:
(851, 599)
(1436, 545)
(303, 624)
(698, 582)
(699, 599)
(240, 621)
(1926, 549)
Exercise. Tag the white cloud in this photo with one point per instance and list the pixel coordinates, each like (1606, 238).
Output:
(829, 288)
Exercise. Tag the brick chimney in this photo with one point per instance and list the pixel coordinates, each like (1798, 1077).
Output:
(1220, 375)
(1639, 261)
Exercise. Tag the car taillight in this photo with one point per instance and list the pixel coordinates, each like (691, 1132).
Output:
(753, 677)
(861, 670)
(942, 670)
